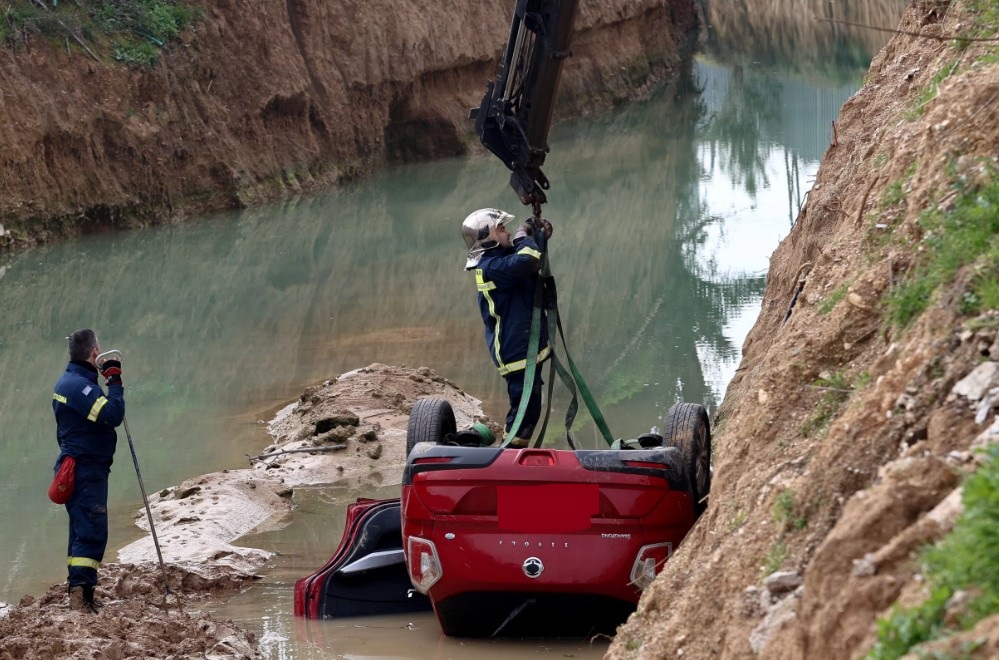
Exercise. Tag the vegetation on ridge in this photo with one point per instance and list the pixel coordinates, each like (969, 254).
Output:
(131, 31)
(965, 233)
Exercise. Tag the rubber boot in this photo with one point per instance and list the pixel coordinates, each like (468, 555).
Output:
(97, 604)
(81, 599)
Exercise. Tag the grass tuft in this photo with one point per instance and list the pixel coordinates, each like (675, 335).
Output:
(836, 390)
(784, 514)
(829, 303)
(966, 234)
(775, 558)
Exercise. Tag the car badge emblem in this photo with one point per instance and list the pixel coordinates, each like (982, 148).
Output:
(533, 567)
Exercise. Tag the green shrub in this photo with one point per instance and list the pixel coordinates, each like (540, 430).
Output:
(969, 556)
(784, 514)
(829, 303)
(965, 235)
(132, 30)
(142, 54)
(906, 628)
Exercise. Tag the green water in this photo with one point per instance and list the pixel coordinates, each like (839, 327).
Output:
(665, 215)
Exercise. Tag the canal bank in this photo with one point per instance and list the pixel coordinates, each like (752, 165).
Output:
(245, 107)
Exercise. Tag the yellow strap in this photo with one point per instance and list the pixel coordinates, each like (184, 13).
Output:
(95, 410)
(58, 397)
(520, 365)
(85, 562)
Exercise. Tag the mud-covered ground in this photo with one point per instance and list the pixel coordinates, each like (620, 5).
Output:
(353, 431)
(138, 619)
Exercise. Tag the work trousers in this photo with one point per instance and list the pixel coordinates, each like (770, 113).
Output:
(88, 524)
(515, 390)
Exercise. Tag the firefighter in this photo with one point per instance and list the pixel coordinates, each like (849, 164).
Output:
(506, 277)
(86, 418)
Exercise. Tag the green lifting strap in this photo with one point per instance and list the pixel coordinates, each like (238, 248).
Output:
(584, 391)
(545, 296)
(533, 343)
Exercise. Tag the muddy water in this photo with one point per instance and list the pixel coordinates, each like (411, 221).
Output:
(305, 545)
(665, 212)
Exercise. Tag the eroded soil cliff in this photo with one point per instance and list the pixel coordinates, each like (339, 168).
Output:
(252, 104)
(843, 436)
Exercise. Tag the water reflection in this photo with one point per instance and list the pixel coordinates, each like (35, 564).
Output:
(815, 38)
(665, 213)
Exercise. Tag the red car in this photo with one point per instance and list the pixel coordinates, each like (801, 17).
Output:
(545, 542)
(366, 574)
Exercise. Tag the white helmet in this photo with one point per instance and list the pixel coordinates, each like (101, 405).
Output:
(478, 230)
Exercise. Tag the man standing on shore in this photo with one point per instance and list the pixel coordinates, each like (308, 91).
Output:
(85, 428)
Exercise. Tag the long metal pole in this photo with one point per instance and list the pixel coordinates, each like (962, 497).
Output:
(149, 514)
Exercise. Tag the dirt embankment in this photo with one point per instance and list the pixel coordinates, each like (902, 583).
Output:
(349, 430)
(842, 438)
(252, 104)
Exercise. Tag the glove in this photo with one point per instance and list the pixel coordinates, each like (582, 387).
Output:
(112, 371)
(527, 229)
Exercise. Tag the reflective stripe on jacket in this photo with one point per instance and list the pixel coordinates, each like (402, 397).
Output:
(85, 416)
(506, 279)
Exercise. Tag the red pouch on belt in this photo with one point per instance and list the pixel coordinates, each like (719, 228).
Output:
(61, 488)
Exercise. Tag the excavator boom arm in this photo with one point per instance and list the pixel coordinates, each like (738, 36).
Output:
(516, 112)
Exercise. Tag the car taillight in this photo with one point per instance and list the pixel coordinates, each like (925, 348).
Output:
(648, 563)
(432, 459)
(646, 464)
(424, 564)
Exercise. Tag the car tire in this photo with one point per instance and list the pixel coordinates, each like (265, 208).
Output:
(687, 428)
(430, 421)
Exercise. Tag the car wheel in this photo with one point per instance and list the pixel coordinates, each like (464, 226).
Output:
(686, 427)
(430, 421)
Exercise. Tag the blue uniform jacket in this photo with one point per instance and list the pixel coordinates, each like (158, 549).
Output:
(85, 417)
(506, 279)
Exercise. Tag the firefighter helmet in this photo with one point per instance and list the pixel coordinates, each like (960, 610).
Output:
(479, 232)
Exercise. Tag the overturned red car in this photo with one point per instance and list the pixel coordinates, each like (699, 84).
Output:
(533, 542)
(543, 542)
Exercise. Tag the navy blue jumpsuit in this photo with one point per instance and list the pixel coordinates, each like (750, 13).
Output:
(506, 279)
(85, 423)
